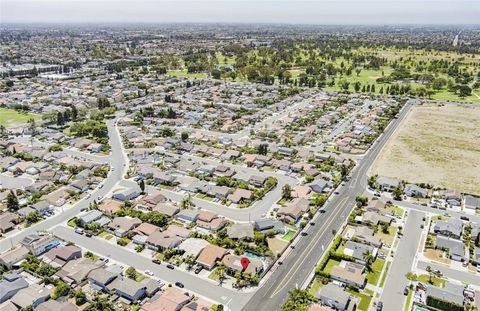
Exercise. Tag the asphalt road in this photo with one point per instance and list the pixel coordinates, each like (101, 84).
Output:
(300, 263)
(117, 168)
(467, 277)
(392, 295)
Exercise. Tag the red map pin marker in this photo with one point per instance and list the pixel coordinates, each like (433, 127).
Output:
(244, 261)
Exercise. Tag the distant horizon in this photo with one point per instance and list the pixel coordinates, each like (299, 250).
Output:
(281, 12)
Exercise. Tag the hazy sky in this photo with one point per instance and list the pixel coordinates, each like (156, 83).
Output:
(264, 11)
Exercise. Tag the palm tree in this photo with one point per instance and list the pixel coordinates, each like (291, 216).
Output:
(368, 258)
(221, 271)
(430, 271)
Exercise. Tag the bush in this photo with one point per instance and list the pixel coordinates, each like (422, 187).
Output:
(122, 241)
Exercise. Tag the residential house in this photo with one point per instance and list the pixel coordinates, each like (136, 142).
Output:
(170, 238)
(76, 271)
(267, 224)
(33, 295)
(210, 221)
(454, 247)
(293, 211)
(11, 284)
(240, 231)
(54, 305)
(319, 185)
(59, 256)
(239, 195)
(334, 297)
(451, 293)
(415, 191)
(13, 257)
(99, 279)
(187, 216)
(39, 244)
(120, 226)
(233, 264)
(172, 299)
(471, 202)
(349, 273)
(192, 247)
(358, 251)
(126, 195)
(387, 183)
(109, 206)
(453, 227)
(210, 255)
(128, 289)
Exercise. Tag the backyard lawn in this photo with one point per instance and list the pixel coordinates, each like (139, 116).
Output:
(364, 300)
(315, 287)
(377, 267)
(289, 235)
(330, 264)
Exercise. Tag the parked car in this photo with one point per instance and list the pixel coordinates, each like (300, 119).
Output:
(379, 306)
(148, 272)
(303, 233)
(464, 218)
(437, 272)
(88, 234)
(198, 269)
(312, 223)
(405, 291)
(157, 261)
(178, 284)
(478, 268)
(79, 231)
(171, 267)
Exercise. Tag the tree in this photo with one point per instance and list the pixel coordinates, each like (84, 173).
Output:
(221, 272)
(464, 90)
(368, 259)
(80, 297)
(344, 85)
(62, 289)
(12, 201)
(184, 136)
(33, 217)
(60, 120)
(131, 273)
(430, 272)
(186, 201)
(356, 86)
(287, 192)
(298, 300)
(361, 200)
(141, 184)
(397, 193)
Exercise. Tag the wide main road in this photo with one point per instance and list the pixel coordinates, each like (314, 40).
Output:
(299, 264)
(118, 166)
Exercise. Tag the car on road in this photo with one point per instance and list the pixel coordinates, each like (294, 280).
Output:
(156, 261)
(422, 226)
(478, 268)
(292, 246)
(336, 192)
(389, 202)
(304, 233)
(312, 223)
(377, 194)
(437, 272)
(148, 272)
(79, 231)
(406, 290)
(88, 234)
(101, 186)
(464, 218)
(198, 269)
(322, 211)
(171, 267)
(178, 284)
(88, 196)
(379, 306)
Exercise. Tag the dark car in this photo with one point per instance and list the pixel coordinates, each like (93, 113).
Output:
(323, 211)
(312, 223)
(303, 233)
(179, 284)
(157, 261)
(379, 306)
(389, 202)
(171, 267)
(198, 269)
(88, 234)
(405, 291)
(464, 218)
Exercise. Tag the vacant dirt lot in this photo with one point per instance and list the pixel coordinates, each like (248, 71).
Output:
(436, 145)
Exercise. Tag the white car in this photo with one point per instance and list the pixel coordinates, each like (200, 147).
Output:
(148, 272)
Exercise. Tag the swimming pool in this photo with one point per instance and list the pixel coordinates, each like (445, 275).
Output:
(252, 255)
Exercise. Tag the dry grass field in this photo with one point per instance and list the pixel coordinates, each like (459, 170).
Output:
(439, 145)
